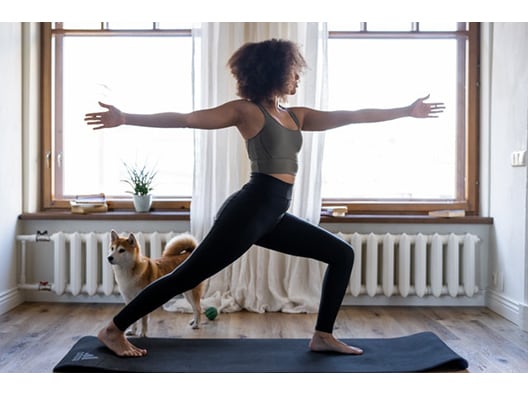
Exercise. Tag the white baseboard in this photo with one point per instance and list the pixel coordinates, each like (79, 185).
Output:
(508, 308)
(9, 299)
(523, 317)
(477, 300)
(48, 296)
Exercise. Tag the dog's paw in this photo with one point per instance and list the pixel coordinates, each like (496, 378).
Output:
(194, 324)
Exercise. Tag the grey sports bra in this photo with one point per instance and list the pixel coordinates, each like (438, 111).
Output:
(274, 149)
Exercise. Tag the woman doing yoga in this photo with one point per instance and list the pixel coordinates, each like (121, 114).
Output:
(266, 72)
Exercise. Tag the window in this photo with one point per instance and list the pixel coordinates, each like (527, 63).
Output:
(139, 68)
(406, 165)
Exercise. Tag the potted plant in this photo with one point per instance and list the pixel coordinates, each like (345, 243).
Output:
(140, 179)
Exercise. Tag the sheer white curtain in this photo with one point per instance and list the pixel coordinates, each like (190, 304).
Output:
(261, 280)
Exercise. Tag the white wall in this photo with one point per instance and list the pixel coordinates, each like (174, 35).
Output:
(508, 131)
(10, 158)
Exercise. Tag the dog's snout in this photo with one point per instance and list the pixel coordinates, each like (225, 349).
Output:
(110, 259)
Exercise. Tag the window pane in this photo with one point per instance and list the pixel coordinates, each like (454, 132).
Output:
(402, 159)
(389, 27)
(130, 26)
(438, 26)
(136, 74)
(344, 26)
(81, 26)
(174, 25)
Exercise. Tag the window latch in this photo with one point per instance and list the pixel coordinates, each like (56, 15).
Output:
(48, 159)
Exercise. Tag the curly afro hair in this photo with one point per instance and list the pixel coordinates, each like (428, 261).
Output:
(263, 69)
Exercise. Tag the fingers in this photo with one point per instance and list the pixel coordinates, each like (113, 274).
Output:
(96, 118)
(433, 105)
(93, 122)
(436, 107)
(93, 116)
(421, 109)
(97, 125)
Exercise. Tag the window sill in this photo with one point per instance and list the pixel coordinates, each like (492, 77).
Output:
(183, 215)
(111, 215)
(406, 219)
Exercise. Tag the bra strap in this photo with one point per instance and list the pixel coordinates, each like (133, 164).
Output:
(295, 119)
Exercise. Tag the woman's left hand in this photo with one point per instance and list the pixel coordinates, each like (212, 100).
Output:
(420, 109)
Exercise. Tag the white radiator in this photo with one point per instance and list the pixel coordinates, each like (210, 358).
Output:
(417, 265)
(80, 264)
(390, 265)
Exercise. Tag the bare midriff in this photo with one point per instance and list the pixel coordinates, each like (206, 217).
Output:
(285, 177)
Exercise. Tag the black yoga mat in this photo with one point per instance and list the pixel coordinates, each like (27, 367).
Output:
(414, 353)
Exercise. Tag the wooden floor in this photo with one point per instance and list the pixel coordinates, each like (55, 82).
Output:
(35, 336)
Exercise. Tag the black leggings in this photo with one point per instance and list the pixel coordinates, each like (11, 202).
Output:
(254, 215)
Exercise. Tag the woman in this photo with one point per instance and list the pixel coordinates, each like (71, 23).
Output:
(266, 73)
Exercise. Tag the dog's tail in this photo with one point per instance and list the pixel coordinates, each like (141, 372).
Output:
(183, 243)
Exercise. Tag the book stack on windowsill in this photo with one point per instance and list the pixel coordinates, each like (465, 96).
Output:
(334, 211)
(448, 213)
(94, 203)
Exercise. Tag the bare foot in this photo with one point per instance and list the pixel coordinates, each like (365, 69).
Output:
(325, 342)
(115, 340)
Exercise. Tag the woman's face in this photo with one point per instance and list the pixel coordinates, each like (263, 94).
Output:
(293, 82)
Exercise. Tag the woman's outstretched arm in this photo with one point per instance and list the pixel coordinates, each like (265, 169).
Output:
(215, 118)
(315, 120)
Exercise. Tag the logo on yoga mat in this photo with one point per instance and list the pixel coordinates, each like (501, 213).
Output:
(83, 356)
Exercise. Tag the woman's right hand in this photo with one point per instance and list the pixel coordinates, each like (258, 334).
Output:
(111, 118)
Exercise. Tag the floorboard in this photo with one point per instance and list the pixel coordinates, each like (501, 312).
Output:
(35, 336)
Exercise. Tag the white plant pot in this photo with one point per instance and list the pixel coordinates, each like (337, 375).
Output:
(142, 203)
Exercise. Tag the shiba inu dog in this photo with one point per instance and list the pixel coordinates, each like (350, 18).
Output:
(133, 272)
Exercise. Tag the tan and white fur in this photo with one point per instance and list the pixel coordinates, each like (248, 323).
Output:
(133, 272)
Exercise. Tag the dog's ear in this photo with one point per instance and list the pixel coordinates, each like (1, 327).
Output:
(132, 239)
(114, 235)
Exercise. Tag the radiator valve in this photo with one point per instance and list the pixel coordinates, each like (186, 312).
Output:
(42, 236)
(44, 286)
